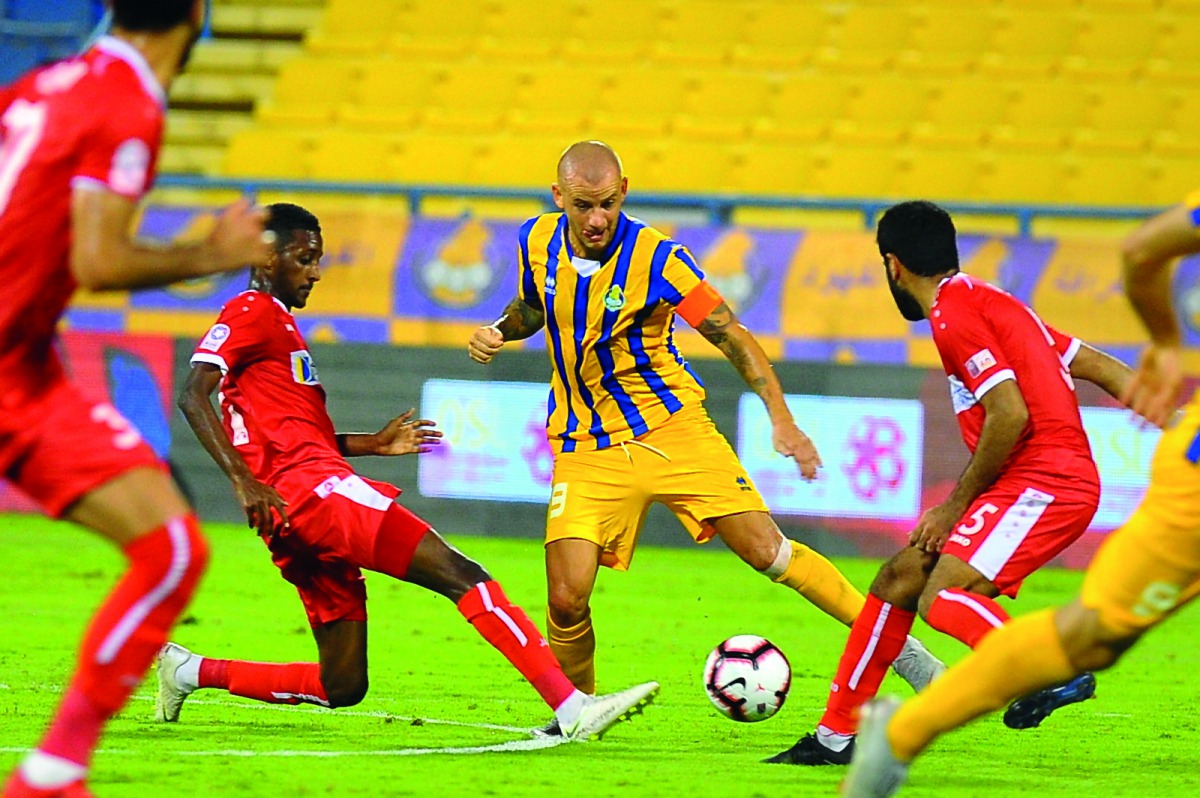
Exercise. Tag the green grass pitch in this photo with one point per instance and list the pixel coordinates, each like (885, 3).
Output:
(427, 666)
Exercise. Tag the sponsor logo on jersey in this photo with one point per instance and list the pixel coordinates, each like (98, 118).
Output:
(614, 300)
(130, 167)
(217, 336)
(980, 362)
(303, 370)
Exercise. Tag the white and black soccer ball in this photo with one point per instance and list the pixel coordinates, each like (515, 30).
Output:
(747, 678)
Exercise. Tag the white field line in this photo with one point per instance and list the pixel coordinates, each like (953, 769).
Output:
(349, 713)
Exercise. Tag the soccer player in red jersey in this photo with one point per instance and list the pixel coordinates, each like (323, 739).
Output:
(321, 521)
(1029, 490)
(78, 145)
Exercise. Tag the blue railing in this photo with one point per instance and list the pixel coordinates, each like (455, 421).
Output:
(719, 207)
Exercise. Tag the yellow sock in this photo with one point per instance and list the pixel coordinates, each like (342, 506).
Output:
(575, 649)
(819, 581)
(1024, 656)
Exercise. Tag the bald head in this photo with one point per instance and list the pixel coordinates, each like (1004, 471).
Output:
(589, 162)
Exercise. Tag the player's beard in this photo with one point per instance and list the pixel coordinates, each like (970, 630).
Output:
(907, 304)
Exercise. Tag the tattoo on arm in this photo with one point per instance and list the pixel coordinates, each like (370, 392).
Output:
(520, 320)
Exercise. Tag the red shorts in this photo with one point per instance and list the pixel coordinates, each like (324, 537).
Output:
(1013, 529)
(60, 446)
(333, 533)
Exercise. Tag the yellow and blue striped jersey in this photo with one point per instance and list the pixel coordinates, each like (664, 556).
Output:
(616, 371)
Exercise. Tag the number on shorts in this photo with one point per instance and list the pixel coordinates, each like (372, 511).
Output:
(1157, 599)
(126, 436)
(558, 500)
(24, 123)
(978, 519)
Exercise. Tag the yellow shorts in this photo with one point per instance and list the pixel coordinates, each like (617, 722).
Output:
(686, 464)
(1150, 567)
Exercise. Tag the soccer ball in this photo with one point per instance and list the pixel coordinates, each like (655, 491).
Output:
(747, 678)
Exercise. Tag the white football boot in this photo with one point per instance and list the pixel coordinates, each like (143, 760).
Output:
(602, 712)
(170, 693)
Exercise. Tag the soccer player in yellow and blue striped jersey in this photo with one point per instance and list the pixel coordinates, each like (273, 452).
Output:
(626, 415)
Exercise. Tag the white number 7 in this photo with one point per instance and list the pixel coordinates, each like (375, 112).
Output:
(25, 122)
(978, 518)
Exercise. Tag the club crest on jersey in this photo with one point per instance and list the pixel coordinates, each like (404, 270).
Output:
(980, 362)
(550, 286)
(217, 336)
(303, 370)
(614, 300)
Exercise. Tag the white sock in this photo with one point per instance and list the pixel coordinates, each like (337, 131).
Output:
(187, 676)
(569, 710)
(47, 772)
(832, 740)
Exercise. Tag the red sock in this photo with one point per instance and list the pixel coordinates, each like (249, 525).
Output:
(509, 629)
(968, 617)
(293, 683)
(165, 566)
(876, 638)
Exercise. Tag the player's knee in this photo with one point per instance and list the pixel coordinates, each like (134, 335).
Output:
(566, 606)
(345, 691)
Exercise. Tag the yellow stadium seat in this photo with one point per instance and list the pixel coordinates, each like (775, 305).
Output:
(1043, 115)
(1023, 177)
(474, 97)
(391, 95)
(939, 174)
(867, 38)
(774, 169)
(962, 111)
(1109, 180)
(782, 35)
(948, 40)
(346, 155)
(268, 154)
(1030, 43)
(437, 159)
(724, 105)
(1112, 45)
(700, 32)
(865, 171)
(354, 26)
(691, 167)
(882, 111)
(309, 90)
(804, 108)
(640, 101)
(1122, 117)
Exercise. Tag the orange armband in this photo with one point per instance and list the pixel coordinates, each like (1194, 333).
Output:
(700, 301)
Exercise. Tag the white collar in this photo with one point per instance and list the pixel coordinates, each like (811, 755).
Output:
(123, 50)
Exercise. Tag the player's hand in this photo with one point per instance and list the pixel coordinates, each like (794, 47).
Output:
(791, 442)
(402, 435)
(1157, 384)
(240, 238)
(265, 509)
(933, 528)
(484, 344)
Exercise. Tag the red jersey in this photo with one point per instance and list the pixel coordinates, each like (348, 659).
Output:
(92, 122)
(272, 402)
(986, 336)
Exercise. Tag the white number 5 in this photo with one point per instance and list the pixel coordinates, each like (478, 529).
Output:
(978, 518)
(24, 123)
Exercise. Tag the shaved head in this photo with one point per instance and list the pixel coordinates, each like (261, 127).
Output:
(589, 162)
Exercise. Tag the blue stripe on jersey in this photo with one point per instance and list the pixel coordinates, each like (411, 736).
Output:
(604, 346)
(583, 287)
(1193, 451)
(529, 290)
(637, 345)
(552, 249)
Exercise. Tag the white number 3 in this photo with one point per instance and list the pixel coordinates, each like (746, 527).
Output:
(978, 519)
(126, 436)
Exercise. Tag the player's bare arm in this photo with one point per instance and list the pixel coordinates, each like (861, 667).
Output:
(1147, 256)
(257, 499)
(519, 321)
(106, 257)
(723, 330)
(401, 435)
(1101, 369)
(1006, 418)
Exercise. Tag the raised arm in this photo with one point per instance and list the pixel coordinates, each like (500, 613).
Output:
(257, 499)
(519, 321)
(723, 330)
(106, 257)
